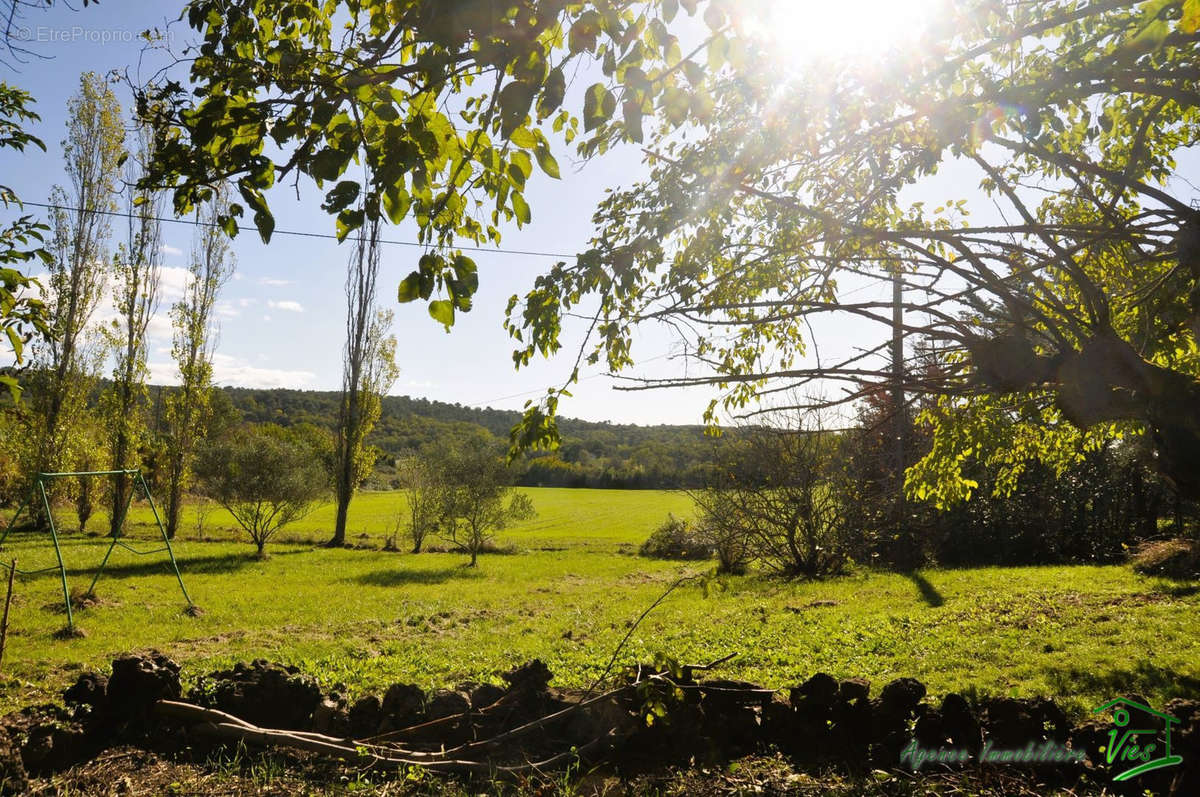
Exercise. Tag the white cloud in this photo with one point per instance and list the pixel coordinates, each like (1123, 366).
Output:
(273, 283)
(227, 310)
(236, 372)
(164, 373)
(287, 304)
(266, 318)
(173, 282)
(170, 250)
(229, 370)
(159, 327)
(247, 302)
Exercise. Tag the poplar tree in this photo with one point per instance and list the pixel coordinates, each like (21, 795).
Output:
(195, 335)
(80, 225)
(136, 273)
(368, 372)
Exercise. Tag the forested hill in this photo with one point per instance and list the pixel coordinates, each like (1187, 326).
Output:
(593, 454)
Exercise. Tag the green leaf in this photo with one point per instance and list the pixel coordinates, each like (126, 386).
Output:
(396, 203)
(1190, 21)
(524, 138)
(553, 92)
(467, 273)
(14, 387)
(599, 104)
(410, 288)
(718, 53)
(632, 112)
(515, 99)
(547, 162)
(347, 222)
(521, 209)
(442, 311)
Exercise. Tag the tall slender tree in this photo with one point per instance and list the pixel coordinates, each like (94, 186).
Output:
(368, 371)
(195, 337)
(76, 278)
(137, 272)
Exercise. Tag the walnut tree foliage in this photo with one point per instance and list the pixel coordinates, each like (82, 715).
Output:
(1062, 293)
(22, 314)
(435, 112)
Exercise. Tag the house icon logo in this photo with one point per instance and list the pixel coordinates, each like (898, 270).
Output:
(1141, 740)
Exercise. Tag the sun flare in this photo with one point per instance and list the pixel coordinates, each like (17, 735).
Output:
(801, 31)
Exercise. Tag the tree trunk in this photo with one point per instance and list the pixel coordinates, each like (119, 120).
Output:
(339, 523)
(119, 495)
(174, 504)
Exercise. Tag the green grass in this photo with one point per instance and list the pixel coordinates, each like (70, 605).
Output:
(569, 592)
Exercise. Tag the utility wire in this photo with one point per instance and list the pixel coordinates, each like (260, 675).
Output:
(303, 234)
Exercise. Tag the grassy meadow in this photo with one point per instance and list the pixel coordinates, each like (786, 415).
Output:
(568, 589)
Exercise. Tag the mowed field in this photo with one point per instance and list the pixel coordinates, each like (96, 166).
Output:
(567, 592)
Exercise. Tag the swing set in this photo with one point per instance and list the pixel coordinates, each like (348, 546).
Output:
(39, 492)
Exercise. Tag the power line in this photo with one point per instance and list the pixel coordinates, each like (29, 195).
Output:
(542, 391)
(324, 236)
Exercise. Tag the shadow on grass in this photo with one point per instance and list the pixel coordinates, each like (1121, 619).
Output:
(397, 577)
(1143, 678)
(1177, 590)
(159, 564)
(929, 593)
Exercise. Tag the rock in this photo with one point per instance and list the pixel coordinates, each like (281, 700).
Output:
(366, 715)
(268, 695)
(890, 714)
(961, 727)
(902, 696)
(854, 689)
(447, 703)
(1011, 723)
(534, 676)
(851, 731)
(820, 690)
(485, 695)
(1053, 719)
(403, 706)
(48, 739)
(138, 681)
(88, 690)
(326, 716)
(930, 729)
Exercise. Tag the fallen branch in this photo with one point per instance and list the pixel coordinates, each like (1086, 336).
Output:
(220, 725)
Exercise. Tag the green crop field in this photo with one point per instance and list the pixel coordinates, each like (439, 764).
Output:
(567, 590)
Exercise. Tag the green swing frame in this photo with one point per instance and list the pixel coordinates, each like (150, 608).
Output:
(39, 491)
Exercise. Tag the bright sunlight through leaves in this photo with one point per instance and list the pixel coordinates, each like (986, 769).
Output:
(803, 30)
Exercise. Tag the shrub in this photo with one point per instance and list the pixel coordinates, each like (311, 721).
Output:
(265, 476)
(677, 539)
(730, 544)
(1179, 559)
(477, 498)
(778, 495)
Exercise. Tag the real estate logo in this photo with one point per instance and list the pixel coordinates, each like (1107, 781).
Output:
(1143, 743)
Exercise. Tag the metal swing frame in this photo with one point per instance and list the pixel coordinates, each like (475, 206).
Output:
(39, 491)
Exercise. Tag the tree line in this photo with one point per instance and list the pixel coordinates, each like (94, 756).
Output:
(93, 308)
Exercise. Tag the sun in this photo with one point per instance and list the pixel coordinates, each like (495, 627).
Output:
(802, 31)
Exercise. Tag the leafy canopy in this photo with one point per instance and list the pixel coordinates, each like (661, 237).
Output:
(1065, 291)
(422, 111)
